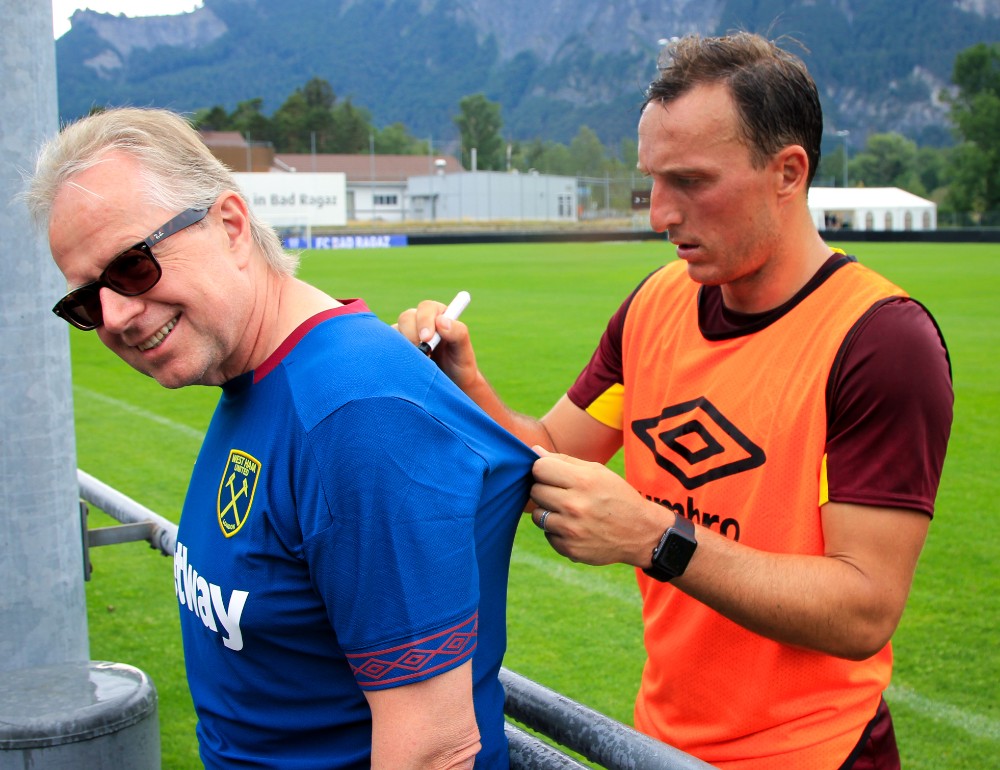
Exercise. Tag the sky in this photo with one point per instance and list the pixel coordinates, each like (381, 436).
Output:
(63, 9)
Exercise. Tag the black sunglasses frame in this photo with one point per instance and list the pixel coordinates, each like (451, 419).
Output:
(88, 296)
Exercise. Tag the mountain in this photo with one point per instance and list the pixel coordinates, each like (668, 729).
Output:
(553, 66)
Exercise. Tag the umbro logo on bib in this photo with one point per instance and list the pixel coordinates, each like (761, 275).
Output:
(697, 444)
(236, 489)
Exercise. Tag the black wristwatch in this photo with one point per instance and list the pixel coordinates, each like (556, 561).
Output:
(674, 551)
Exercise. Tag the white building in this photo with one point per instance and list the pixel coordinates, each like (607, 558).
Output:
(870, 208)
(376, 184)
(296, 202)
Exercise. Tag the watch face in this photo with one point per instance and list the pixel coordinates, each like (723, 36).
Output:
(679, 551)
(672, 557)
(674, 551)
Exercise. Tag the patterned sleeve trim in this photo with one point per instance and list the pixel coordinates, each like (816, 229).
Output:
(418, 660)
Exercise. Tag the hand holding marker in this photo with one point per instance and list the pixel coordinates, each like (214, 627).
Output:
(453, 311)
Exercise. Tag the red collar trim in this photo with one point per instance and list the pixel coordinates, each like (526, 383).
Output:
(348, 307)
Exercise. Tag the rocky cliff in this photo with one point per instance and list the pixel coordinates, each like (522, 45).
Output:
(880, 64)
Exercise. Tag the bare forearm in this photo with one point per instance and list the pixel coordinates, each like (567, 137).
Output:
(816, 602)
(529, 429)
(844, 602)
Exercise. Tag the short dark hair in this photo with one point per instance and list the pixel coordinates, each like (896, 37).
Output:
(777, 102)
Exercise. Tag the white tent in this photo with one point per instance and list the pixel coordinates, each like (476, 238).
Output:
(870, 208)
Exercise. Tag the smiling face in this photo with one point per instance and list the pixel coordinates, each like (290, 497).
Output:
(188, 329)
(723, 214)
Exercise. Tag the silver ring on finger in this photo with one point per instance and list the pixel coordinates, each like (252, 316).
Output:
(542, 519)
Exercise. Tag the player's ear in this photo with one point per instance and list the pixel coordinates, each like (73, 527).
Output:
(235, 217)
(791, 170)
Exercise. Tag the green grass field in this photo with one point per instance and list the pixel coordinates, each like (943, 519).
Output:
(537, 312)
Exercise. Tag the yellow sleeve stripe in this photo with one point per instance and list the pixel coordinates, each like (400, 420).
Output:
(824, 484)
(607, 407)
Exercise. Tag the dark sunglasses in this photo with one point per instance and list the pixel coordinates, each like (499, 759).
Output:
(133, 272)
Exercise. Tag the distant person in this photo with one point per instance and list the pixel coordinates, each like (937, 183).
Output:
(342, 597)
(784, 413)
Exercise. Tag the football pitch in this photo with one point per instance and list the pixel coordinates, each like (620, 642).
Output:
(537, 312)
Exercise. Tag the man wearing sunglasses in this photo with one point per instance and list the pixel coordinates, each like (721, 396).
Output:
(342, 598)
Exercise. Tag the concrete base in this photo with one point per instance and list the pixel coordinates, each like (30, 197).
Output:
(79, 715)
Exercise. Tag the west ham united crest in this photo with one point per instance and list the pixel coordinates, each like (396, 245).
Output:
(236, 491)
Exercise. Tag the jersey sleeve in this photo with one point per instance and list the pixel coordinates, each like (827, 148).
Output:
(890, 402)
(395, 562)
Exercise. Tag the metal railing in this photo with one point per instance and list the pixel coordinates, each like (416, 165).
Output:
(594, 736)
(140, 523)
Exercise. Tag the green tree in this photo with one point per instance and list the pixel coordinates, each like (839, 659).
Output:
(888, 160)
(589, 155)
(394, 139)
(830, 172)
(214, 119)
(543, 157)
(556, 159)
(975, 111)
(248, 119)
(292, 132)
(318, 94)
(629, 153)
(526, 155)
(306, 119)
(479, 125)
(933, 168)
(352, 129)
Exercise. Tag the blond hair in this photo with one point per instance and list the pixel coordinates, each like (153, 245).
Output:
(178, 170)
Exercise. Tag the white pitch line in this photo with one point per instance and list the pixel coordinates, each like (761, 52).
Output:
(590, 579)
(584, 578)
(185, 430)
(976, 725)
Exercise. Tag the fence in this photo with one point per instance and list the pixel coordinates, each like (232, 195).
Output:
(592, 735)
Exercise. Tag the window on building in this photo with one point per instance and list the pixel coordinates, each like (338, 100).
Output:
(386, 200)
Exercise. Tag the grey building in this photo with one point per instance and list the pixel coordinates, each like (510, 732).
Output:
(493, 196)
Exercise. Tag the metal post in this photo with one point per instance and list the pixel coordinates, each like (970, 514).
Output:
(58, 709)
(843, 135)
(43, 617)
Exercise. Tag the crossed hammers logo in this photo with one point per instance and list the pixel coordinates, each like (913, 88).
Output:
(234, 495)
(246, 468)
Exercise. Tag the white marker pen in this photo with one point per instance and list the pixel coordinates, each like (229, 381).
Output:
(453, 311)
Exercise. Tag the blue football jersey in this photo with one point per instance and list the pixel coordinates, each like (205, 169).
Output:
(348, 527)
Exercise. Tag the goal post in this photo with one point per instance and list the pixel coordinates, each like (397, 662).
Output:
(294, 230)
